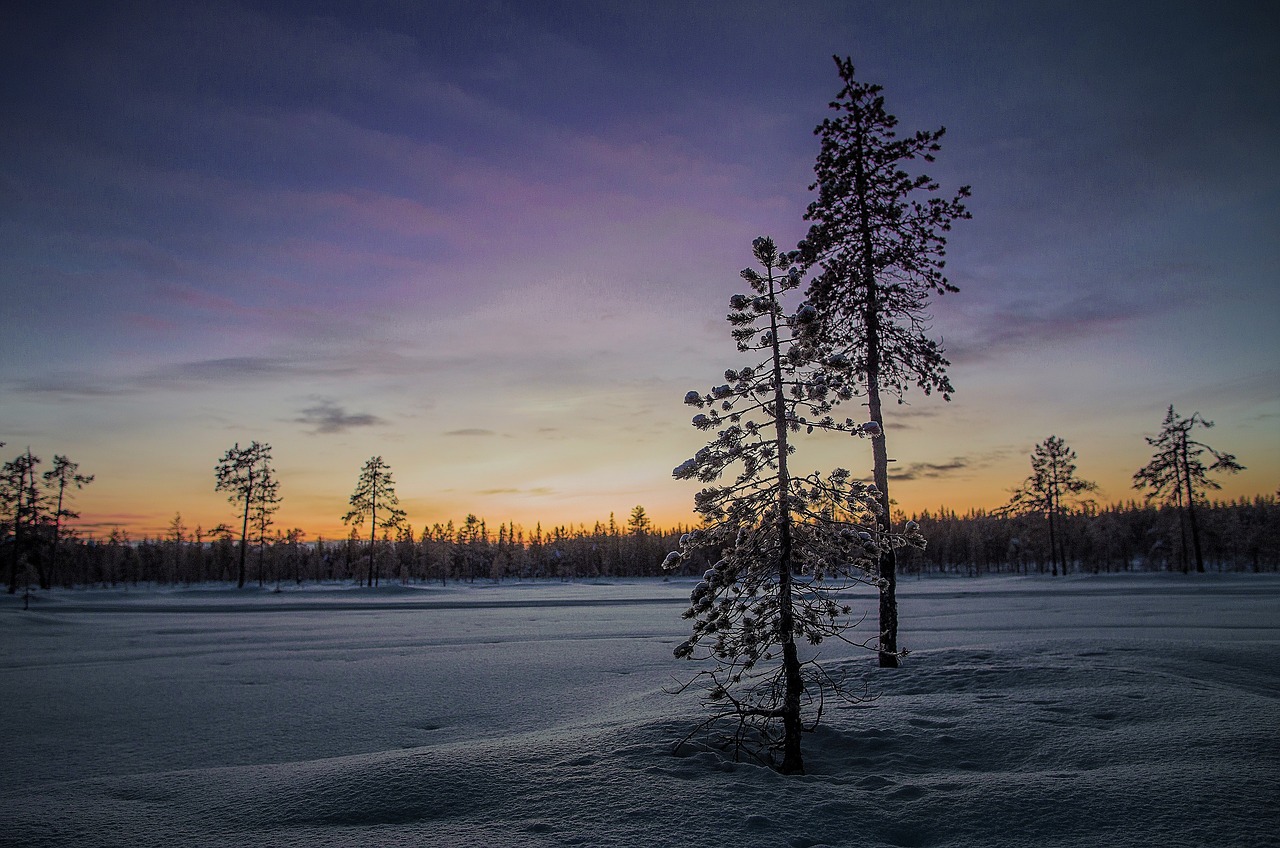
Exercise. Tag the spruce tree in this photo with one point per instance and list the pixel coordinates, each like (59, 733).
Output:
(782, 545)
(878, 239)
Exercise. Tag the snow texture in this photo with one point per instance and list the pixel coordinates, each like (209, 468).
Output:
(1032, 712)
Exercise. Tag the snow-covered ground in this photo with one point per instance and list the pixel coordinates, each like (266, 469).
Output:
(1126, 710)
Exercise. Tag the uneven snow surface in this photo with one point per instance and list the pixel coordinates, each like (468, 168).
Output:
(1105, 711)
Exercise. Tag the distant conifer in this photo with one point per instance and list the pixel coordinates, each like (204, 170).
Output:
(1176, 474)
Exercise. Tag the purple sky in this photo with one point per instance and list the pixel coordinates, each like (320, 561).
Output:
(493, 242)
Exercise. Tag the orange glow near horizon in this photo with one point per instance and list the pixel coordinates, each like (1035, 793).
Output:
(320, 517)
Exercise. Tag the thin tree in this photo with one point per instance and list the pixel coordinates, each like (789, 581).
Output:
(1050, 491)
(878, 238)
(265, 506)
(1177, 475)
(248, 478)
(375, 491)
(64, 476)
(176, 539)
(782, 545)
(23, 506)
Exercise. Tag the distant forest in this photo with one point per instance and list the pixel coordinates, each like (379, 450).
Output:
(1237, 536)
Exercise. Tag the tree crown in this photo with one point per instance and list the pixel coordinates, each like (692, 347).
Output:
(879, 238)
(1177, 465)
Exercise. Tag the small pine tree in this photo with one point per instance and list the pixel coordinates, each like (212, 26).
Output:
(638, 524)
(783, 546)
(375, 490)
(1052, 487)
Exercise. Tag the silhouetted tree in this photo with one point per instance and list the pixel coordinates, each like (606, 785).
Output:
(23, 506)
(639, 524)
(1052, 487)
(782, 545)
(268, 502)
(63, 476)
(176, 540)
(375, 490)
(248, 478)
(1177, 475)
(878, 238)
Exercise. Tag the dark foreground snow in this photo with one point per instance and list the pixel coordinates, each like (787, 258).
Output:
(1033, 712)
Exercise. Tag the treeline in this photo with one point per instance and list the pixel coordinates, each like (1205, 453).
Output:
(1240, 536)
(443, 553)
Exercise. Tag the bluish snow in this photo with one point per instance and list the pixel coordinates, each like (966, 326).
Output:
(1125, 710)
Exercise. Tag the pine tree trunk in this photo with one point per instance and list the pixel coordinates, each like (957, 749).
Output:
(373, 520)
(1053, 543)
(888, 556)
(57, 533)
(792, 761)
(880, 451)
(1191, 508)
(1182, 522)
(17, 525)
(244, 531)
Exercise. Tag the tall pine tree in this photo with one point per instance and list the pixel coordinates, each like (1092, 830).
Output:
(878, 240)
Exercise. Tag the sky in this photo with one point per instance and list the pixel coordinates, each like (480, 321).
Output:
(493, 242)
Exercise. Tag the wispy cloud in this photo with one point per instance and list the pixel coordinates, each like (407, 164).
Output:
(471, 431)
(1020, 326)
(537, 490)
(67, 385)
(328, 417)
(958, 466)
(194, 374)
(930, 470)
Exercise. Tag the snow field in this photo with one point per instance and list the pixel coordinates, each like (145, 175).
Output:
(1110, 711)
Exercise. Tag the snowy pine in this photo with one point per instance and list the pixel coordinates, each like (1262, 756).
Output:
(783, 546)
